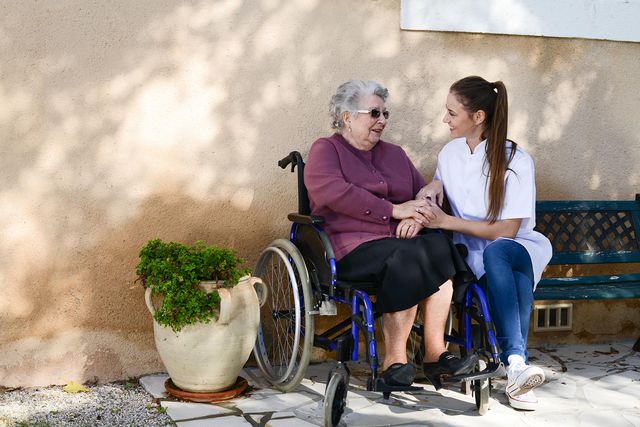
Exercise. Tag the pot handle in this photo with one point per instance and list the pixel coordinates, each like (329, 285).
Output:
(226, 306)
(261, 289)
(147, 299)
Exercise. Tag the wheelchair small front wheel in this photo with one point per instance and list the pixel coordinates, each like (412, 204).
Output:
(285, 334)
(335, 399)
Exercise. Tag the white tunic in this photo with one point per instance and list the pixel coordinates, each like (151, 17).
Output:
(466, 187)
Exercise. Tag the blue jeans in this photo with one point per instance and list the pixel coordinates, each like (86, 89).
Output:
(508, 282)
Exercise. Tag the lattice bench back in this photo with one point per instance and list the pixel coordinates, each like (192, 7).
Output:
(589, 232)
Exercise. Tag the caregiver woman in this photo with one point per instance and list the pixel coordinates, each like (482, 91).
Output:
(490, 184)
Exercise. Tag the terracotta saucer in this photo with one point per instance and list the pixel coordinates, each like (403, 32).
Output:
(207, 397)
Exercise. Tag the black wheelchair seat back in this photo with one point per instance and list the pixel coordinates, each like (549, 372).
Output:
(314, 245)
(307, 234)
(314, 249)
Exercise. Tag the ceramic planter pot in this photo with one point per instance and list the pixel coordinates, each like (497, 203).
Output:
(207, 357)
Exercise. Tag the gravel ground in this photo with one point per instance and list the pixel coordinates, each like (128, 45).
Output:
(118, 404)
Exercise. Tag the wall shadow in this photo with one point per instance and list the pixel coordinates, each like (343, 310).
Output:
(123, 122)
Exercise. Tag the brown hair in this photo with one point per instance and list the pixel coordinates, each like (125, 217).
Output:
(475, 93)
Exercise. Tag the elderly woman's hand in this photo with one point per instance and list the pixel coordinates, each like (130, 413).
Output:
(432, 216)
(432, 191)
(410, 209)
(408, 228)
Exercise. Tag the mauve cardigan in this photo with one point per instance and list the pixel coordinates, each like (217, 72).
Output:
(354, 190)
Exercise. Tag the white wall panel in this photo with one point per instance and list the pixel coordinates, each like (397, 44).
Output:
(589, 19)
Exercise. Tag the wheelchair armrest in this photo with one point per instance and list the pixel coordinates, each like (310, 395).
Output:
(305, 219)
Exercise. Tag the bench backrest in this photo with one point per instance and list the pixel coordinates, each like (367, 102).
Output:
(590, 231)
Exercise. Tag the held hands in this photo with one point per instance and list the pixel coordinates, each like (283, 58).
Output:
(432, 191)
(409, 209)
(432, 216)
(417, 214)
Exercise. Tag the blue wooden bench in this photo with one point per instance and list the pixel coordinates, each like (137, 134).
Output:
(590, 232)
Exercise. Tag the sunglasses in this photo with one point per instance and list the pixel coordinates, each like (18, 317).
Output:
(375, 113)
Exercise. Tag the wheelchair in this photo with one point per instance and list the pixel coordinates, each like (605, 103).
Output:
(302, 282)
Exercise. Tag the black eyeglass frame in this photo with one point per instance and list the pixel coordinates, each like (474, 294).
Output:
(375, 113)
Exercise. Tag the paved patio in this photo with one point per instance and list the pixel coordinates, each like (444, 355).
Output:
(587, 385)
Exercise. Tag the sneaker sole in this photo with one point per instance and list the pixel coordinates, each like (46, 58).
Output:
(524, 406)
(532, 382)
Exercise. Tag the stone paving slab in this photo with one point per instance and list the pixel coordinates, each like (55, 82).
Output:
(586, 385)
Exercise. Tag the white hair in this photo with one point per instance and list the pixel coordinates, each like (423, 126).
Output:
(348, 96)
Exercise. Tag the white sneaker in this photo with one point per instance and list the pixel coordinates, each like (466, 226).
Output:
(526, 401)
(521, 377)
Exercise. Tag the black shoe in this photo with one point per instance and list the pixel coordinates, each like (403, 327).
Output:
(399, 374)
(448, 364)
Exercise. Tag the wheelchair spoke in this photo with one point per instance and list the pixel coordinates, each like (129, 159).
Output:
(285, 337)
(283, 314)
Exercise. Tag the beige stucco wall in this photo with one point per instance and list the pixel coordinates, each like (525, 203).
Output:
(124, 121)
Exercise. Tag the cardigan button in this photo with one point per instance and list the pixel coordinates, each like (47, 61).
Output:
(367, 212)
(385, 217)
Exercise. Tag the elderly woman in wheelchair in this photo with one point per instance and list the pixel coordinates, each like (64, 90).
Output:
(364, 188)
(356, 235)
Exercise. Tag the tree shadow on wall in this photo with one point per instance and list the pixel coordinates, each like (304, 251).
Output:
(130, 121)
(106, 331)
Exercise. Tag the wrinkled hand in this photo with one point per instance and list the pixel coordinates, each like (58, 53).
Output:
(409, 209)
(432, 215)
(432, 191)
(408, 228)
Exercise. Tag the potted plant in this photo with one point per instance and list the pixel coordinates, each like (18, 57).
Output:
(206, 315)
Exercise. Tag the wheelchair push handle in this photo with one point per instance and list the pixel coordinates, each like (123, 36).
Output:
(294, 159)
(283, 163)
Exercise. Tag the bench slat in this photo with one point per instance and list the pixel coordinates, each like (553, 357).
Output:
(589, 292)
(568, 282)
(600, 257)
(587, 205)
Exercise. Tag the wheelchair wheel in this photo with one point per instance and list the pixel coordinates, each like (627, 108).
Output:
(482, 390)
(335, 399)
(285, 334)
(415, 343)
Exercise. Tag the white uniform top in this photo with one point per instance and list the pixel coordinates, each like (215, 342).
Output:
(466, 187)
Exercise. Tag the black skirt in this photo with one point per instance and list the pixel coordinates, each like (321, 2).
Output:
(406, 270)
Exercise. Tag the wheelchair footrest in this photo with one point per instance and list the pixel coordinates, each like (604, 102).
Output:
(492, 370)
(379, 385)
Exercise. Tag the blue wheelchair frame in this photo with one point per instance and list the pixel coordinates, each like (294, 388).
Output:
(470, 337)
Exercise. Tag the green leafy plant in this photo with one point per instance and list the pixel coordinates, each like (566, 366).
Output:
(174, 272)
